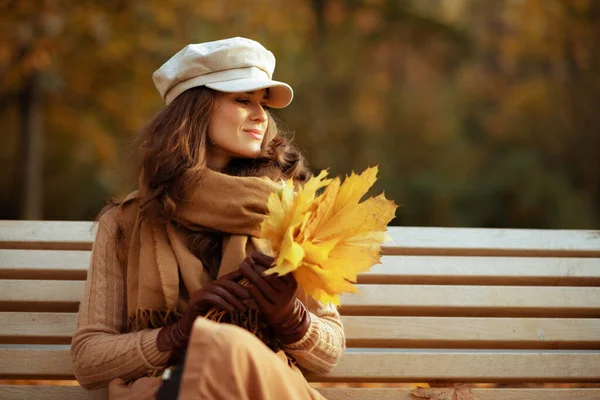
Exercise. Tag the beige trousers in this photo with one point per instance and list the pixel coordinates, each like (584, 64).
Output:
(226, 362)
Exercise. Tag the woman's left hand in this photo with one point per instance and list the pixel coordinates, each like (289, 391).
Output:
(275, 297)
(144, 388)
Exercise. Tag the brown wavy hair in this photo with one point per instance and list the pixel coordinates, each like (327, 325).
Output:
(173, 154)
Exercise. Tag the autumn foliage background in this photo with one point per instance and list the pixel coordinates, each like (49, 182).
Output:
(478, 113)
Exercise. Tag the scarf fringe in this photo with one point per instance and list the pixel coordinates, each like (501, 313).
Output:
(151, 319)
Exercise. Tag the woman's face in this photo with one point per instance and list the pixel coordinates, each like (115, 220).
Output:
(237, 127)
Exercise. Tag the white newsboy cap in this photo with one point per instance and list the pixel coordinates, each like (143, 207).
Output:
(229, 65)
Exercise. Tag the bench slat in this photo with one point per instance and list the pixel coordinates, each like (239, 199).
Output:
(473, 301)
(38, 295)
(47, 392)
(376, 332)
(38, 392)
(375, 367)
(78, 235)
(44, 264)
(472, 333)
(50, 235)
(522, 271)
(385, 300)
(478, 394)
(493, 242)
(466, 367)
(37, 328)
(452, 270)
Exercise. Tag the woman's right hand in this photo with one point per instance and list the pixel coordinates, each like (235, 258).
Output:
(224, 293)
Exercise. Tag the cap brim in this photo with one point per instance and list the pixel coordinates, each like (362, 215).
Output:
(280, 94)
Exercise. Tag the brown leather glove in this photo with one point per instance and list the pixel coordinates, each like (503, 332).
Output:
(224, 293)
(275, 297)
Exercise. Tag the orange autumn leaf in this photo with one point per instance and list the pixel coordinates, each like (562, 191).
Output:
(443, 393)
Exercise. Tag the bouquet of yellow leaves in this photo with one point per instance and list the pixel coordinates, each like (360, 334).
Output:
(327, 240)
(324, 240)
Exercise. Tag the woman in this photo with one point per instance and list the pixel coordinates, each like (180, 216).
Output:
(179, 246)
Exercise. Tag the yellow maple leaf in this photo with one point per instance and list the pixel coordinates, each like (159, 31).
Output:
(327, 240)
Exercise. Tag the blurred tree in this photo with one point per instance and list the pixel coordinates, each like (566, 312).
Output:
(96, 60)
(478, 113)
(530, 108)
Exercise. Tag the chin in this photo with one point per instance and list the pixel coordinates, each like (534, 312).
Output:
(252, 154)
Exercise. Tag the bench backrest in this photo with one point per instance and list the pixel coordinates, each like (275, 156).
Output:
(453, 304)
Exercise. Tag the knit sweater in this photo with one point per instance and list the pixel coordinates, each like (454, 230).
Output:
(102, 348)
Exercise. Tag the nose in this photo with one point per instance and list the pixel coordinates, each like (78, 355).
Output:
(259, 114)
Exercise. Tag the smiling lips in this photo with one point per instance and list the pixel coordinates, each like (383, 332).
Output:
(255, 133)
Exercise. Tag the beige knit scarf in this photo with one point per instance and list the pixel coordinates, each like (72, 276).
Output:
(159, 259)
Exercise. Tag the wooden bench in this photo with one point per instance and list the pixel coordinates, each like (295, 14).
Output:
(508, 307)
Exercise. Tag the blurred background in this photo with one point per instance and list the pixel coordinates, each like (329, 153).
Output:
(479, 113)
